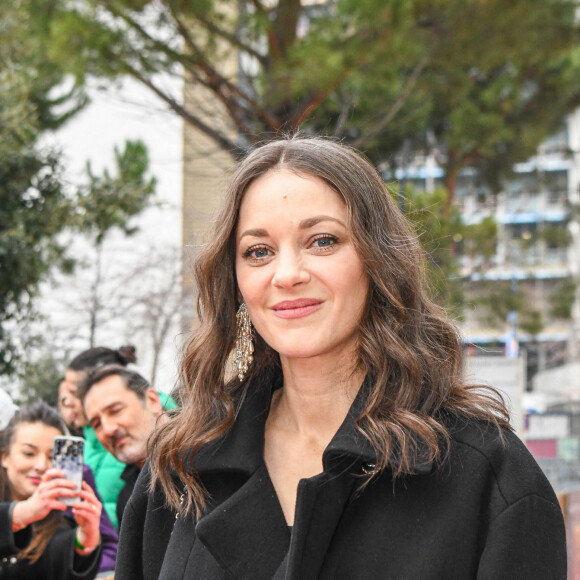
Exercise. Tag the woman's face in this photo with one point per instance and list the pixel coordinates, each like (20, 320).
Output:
(28, 457)
(69, 405)
(297, 269)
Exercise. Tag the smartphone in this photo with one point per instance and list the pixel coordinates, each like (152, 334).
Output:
(67, 455)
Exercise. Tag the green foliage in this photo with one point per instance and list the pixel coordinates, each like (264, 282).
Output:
(531, 322)
(42, 90)
(556, 235)
(110, 201)
(480, 239)
(562, 299)
(36, 95)
(436, 231)
(39, 379)
(499, 298)
(500, 83)
(474, 76)
(33, 206)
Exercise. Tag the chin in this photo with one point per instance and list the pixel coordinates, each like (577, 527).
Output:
(299, 353)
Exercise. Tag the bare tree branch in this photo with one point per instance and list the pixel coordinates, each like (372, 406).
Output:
(226, 144)
(217, 83)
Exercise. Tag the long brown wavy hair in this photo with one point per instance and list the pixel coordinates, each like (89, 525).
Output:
(408, 347)
(43, 530)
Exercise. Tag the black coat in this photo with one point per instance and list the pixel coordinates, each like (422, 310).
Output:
(129, 476)
(59, 561)
(487, 513)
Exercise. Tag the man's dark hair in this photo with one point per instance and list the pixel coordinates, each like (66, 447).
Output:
(132, 380)
(101, 356)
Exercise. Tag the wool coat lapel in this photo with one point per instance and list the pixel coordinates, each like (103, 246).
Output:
(247, 534)
(244, 529)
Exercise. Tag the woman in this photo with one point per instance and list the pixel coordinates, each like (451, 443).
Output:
(106, 468)
(37, 540)
(348, 445)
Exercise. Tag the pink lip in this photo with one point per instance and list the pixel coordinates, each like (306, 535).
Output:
(35, 480)
(296, 308)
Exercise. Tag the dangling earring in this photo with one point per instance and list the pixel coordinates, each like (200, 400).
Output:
(244, 344)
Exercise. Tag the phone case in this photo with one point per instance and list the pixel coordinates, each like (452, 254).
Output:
(68, 457)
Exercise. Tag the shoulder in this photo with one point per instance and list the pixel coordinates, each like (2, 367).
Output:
(143, 500)
(145, 530)
(501, 455)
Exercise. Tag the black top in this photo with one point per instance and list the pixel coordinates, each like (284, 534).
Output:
(59, 561)
(129, 476)
(487, 513)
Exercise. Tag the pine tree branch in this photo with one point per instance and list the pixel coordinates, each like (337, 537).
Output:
(396, 106)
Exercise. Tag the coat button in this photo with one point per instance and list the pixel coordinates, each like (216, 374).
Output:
(368, 467)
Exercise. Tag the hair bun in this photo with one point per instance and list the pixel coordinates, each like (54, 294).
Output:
(127, 354)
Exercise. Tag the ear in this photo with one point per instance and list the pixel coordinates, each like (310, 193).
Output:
(153, 401)
(3, 459)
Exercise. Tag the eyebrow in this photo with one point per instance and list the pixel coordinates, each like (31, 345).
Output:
(303, 225)
(30, 445)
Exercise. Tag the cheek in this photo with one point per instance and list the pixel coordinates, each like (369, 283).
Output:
(15, 467)
(251, 289)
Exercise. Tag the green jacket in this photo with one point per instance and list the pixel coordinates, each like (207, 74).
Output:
(107, 469)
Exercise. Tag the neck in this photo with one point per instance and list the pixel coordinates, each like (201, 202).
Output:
(315, 397)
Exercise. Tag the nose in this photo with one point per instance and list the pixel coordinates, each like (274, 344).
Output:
(109, 427)
(290, 269)
(42, 463)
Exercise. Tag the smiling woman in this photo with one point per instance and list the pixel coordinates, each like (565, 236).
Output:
(298, 272)
(346, 444)
(37, 540)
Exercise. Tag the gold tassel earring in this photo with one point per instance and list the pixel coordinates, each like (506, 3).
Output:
(244, 344)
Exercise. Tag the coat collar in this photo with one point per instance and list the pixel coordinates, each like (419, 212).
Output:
(241, 449)
(245, 530)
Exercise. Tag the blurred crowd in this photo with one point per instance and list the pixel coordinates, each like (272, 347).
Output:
(50, 526)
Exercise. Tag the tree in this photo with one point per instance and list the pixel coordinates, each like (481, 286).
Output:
(140, 300)
(477, 83)
(155, 307)
(36, 95)
(33, 205)
(106, 204)
(436, 232)
(99, 295)
(509, 85)
(470, 78)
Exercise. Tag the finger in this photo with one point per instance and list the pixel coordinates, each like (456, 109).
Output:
(57, 492)
(88, 496)
(86, 507)
(57, 505)
(57, 483)
(53, 473)
(88, 513)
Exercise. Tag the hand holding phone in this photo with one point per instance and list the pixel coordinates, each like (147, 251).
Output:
(68, 457)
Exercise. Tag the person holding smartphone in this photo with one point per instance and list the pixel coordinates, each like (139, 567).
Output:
(37, 540)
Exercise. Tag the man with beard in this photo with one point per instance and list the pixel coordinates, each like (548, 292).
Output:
(123, 409)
